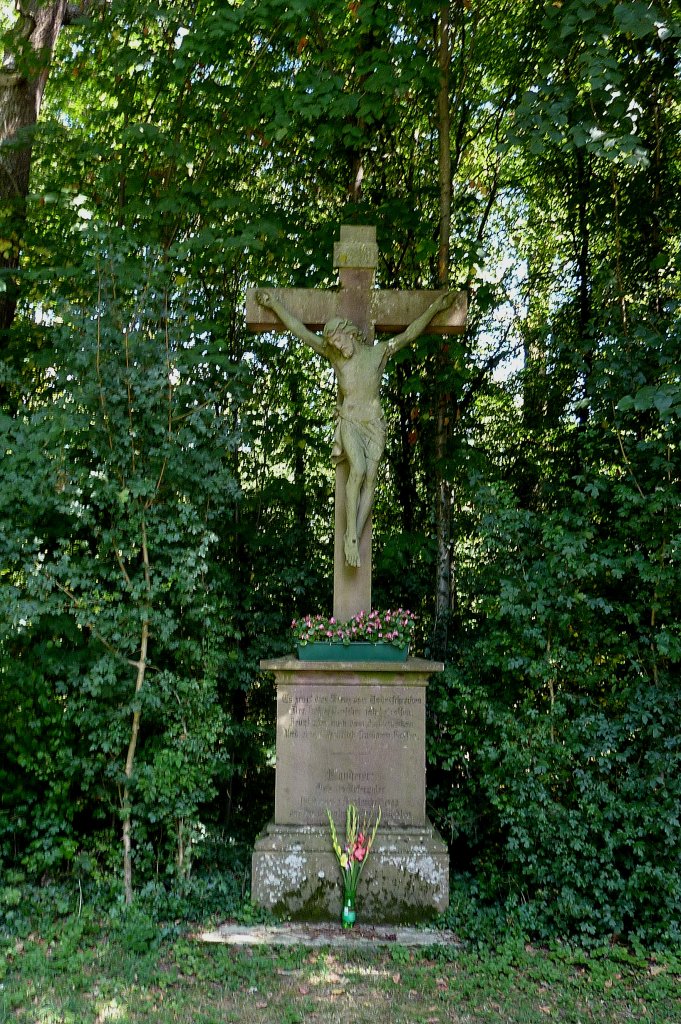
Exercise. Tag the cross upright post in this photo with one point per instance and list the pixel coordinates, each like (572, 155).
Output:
(356, 300)
(356, 258)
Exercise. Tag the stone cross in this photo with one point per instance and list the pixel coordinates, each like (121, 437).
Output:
(356, 257)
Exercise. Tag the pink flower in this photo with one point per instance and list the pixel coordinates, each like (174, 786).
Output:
(359, 850)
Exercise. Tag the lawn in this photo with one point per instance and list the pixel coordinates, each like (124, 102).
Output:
(84, 973)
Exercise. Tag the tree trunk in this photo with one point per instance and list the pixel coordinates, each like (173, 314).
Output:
(582, 186)
(443, 581)
(405, 485)
(134, 736)
(23, 76)
(444, 154)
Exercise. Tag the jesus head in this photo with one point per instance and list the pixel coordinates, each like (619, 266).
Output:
(343, 335)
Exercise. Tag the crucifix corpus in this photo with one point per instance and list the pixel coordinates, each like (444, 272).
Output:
(348, 318)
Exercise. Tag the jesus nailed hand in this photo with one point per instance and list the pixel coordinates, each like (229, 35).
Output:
(360, 427)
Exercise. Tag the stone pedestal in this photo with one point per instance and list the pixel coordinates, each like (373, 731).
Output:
(352, 732)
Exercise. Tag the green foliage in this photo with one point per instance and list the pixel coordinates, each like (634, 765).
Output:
(110, 569)
(591, 89)
(561, 785)
(166, 487)
(82, 972)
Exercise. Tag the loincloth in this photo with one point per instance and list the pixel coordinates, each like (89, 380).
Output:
(369, 433)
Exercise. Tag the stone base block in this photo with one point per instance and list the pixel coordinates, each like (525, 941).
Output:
(405, 881)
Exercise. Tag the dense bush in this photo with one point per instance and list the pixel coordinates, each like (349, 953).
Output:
(555, 738)
(570, 817)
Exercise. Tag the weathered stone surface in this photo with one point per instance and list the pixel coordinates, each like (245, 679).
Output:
(406, 879)
(313, 307)
(350, 733)
(357, 247)
(389, 311)
(327, 934)
(351, 586)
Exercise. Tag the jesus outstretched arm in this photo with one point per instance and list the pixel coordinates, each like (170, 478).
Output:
(418, 326)
(291, 322)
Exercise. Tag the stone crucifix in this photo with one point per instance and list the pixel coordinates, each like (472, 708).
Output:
(349, 318)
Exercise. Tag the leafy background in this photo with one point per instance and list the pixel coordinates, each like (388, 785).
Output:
(166, 495)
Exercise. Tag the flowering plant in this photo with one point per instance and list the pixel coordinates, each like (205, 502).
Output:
(395, 626)
(353, 856)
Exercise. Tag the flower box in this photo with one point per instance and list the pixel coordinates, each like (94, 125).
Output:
(360, 650)
(376, 636)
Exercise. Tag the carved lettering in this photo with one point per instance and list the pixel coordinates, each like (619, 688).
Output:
(341, 744)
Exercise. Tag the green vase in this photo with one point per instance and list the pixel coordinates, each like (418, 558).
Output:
(348, 916)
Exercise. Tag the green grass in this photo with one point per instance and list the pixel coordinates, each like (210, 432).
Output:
(79, 974)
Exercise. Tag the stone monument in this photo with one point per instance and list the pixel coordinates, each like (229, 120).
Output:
(352, 732)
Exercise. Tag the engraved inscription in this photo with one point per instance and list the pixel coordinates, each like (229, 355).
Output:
(357, 717)
(342, 744)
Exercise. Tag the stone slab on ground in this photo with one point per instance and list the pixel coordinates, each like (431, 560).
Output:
(318, 935)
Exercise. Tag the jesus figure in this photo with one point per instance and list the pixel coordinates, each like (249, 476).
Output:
(360, 425)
